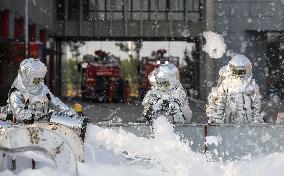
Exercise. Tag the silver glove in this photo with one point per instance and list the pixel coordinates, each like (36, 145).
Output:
(38, 115)
(70, 112)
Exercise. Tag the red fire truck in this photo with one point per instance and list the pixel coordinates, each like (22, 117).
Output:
(99, 73)
(148, 64)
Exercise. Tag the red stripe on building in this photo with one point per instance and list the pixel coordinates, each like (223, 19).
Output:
(32, 32)
(42, 36)
(19, 28)
(5, 24)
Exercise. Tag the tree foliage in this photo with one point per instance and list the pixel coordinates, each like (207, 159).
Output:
(75, 48)
(189, 74)
(129, 70)
(123, 46)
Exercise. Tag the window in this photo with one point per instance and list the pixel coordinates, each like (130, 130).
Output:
(60, 13)
(104, 9)
(117, 8)
(177, 5)
(135, 5)
(96, 9)
(85, 9)
(136, 9)
(158, 9)
(177, 9)
(117, 5)
(73, 9)
(159, 5)
(193, 5)
(101, 9)
(163, 5)
(153, 5)
(146, 5)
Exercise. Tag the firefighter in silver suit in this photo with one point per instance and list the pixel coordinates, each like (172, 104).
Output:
(237, 97)
(166, 94)
(29, 98)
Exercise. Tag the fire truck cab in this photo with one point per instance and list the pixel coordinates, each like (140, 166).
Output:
(99, 73)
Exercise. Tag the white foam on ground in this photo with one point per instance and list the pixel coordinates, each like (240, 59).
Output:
(119, 153)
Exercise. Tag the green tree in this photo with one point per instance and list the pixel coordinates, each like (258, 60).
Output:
(123, 46)
(75, 48)
(73, 74)
(129, 67)
(189, 74)
(129, 70)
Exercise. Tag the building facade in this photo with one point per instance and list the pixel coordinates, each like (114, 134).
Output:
(250, 27)
(129, 19)
(41, 29)
(41, 15)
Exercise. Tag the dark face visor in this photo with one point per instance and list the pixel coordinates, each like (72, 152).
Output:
(165, 84)
(38, 80)
(241, 72)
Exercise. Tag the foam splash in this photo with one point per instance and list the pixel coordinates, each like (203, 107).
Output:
(215, 45)
(165, 150)
(170, 156)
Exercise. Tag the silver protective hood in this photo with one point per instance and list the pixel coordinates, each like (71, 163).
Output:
(30, 69)
(167, 73)
(240, 61)
(239, 83)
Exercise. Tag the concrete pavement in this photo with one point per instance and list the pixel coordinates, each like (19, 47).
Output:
(129, 112)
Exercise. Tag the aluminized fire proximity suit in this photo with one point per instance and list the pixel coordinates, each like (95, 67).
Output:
(166, 94)
(237, 99)
(29, 98)
(213, 95)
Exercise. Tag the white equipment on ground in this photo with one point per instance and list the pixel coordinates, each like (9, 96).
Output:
(55, 136)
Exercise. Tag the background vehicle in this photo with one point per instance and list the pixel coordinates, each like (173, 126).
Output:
(99, 73)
